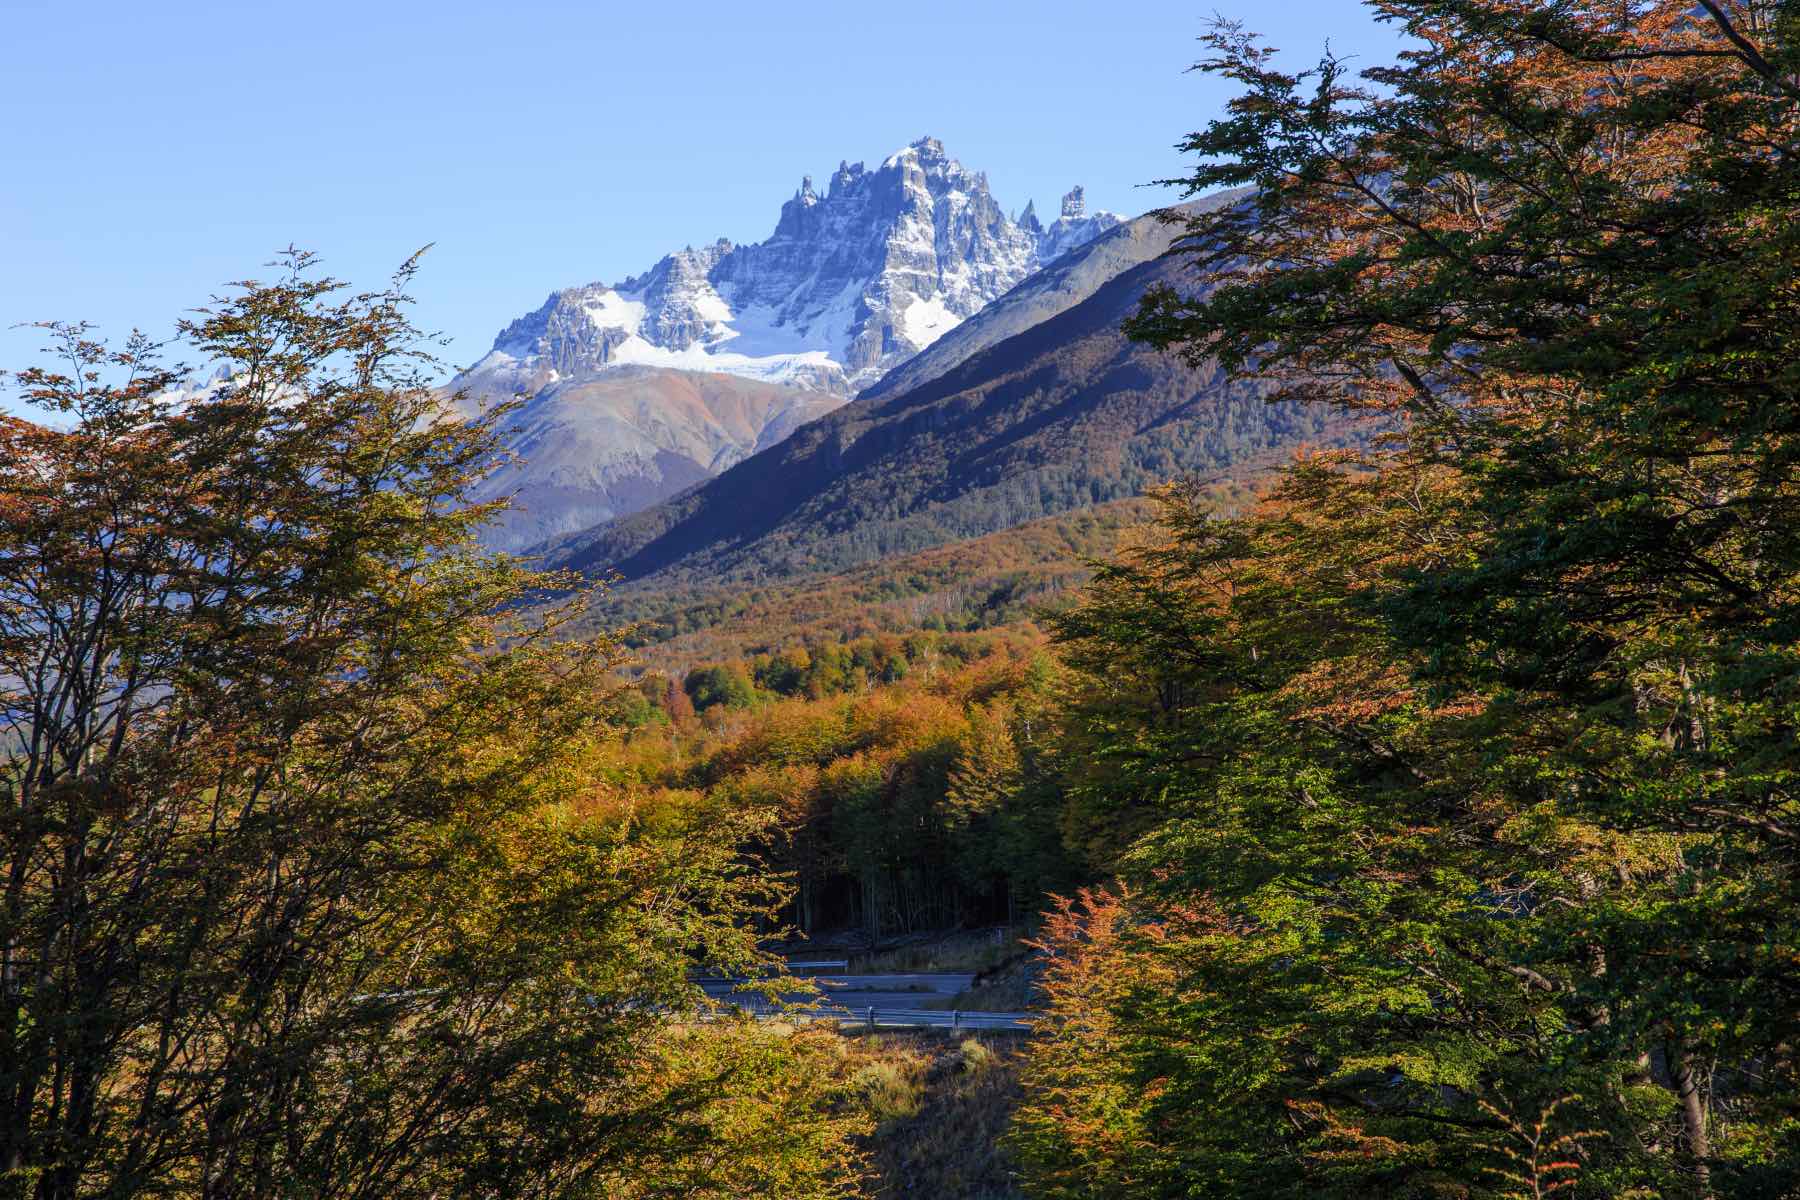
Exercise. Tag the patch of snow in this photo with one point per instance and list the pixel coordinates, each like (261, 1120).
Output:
(925, 320)
(711, 306)
(608, 309)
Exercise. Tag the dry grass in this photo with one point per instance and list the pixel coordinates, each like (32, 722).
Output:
(892, 1089)
(941, 1107)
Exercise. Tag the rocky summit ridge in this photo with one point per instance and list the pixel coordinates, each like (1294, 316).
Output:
(854, 280)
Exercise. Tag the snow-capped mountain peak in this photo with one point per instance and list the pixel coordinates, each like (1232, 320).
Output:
(850, 283)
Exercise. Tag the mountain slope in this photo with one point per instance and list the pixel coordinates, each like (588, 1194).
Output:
(1060, 286)
(599, 447)
(1065, 414)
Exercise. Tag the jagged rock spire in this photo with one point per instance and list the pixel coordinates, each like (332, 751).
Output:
(930, 149)
(850, 283)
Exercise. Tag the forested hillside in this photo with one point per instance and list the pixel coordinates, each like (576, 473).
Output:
(1002, 579)
(1426, 828)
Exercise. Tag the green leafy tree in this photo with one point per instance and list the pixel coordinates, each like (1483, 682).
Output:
(715, 686)
(987, 776)
(1464, 770)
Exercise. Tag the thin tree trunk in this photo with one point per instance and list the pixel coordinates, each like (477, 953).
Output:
(1693, 1115)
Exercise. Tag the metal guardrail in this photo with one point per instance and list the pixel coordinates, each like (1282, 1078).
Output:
(924, 1018)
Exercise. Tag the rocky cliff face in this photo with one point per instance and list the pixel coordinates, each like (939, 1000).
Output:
(853, 281)
(1073, 228)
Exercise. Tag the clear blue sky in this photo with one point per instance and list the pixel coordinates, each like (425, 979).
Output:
(151, 152)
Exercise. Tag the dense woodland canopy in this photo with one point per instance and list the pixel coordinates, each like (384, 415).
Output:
(1418, 823)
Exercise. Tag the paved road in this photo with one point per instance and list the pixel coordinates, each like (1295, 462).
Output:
(857, 991)
(898, 1000)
